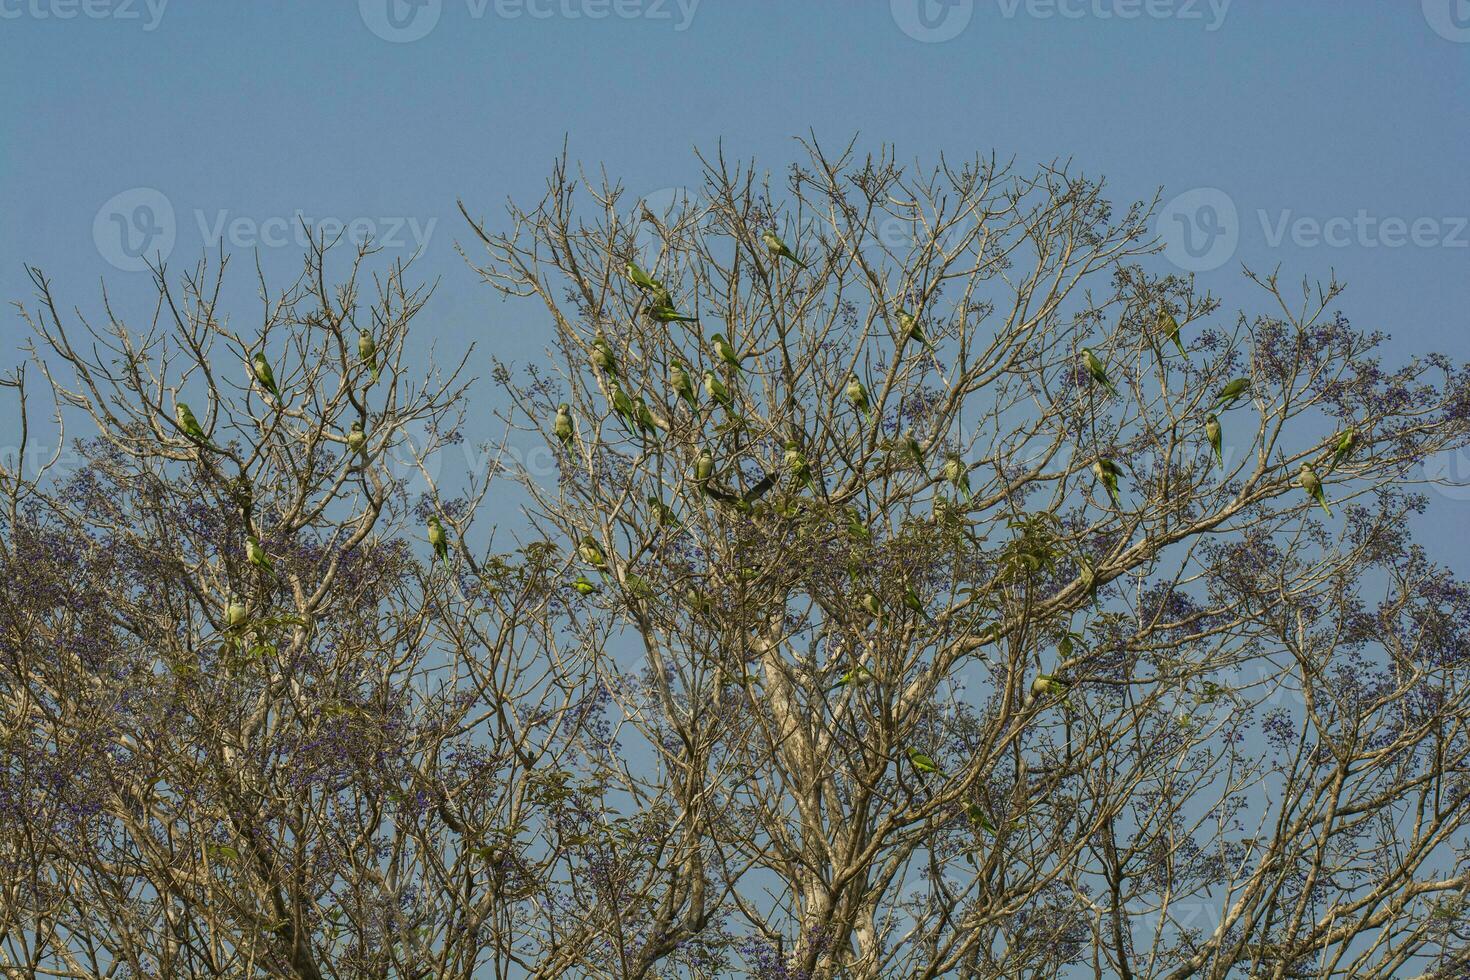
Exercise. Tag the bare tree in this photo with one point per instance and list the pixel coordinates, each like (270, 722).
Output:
(924, 588)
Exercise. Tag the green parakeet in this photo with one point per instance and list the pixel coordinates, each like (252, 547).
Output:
(357, 439)
(1231, 393)
(778, 248)
(871, 605)
(1097, 370)
(857, 528)
(857, 676)
(603, 356)
(583, 585)
(797, 465)
(667, 314)
(662, 512)
(1045, 685)
(1347, 443)
(640, 278)
(185, 417)
(1107, 473)
(704, 467)
(1212, 433)
(857, 395)
(367, 352)
(1169, 327)
(725, 351)
(438, 539)
(236, 614)
(716, 389)
(913, 603)
(590, 553)
(1308, 480)
(622, 405)
(683, 385)
(562, 427)
(913, 449)
(255, 554)
(957, 474)
(647, 424)
(261, 368)
(922, 762)
(909, 324)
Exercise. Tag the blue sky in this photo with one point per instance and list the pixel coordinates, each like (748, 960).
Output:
(1346, 118)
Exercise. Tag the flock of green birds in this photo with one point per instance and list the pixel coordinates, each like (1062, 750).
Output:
(637, 417)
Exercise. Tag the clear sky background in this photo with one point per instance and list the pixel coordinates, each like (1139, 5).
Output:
(1347, 117)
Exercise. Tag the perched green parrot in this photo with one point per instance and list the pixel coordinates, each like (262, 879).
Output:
(603, 356)
(640, 278)
(1169, 327)
(958, 474)
(367, 352)
(236, 614)
(909, 324)
(913, 449)
(857, 395)
(704, 467)
(1308, 480)
(1347, 443)
(1212, 433)
(857, 676)
(583, 585)
(647, 424)
(857, 529)
(592, 554)
(726, 352)
(662, 512)
(185, 417)
(255, 554)
(621, 404)
(1231, 393)
(871, 605)
(1097, 370)
(976, 816)
(667, 314)
(357, 439)
(683, 385)
(716, 389)
(778, 248)
(1107, 473)
(438, 539)
(922, 762)
(913, 603)
(562, 426)
(1045, 685)
(261, 368)
(797, 465)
